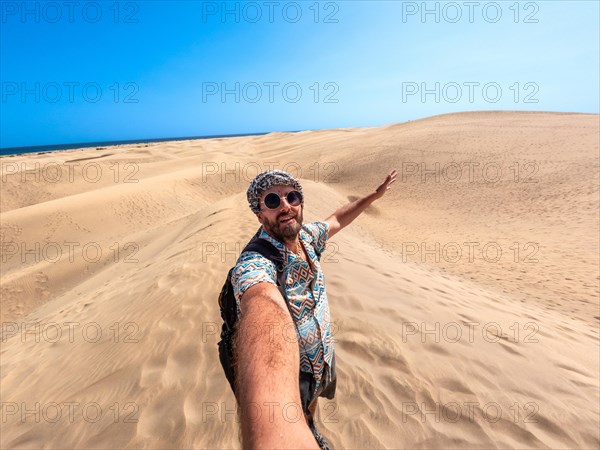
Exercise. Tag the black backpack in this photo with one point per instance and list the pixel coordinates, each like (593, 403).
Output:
(228, 306)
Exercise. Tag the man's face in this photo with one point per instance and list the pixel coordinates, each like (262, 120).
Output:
(271, 219)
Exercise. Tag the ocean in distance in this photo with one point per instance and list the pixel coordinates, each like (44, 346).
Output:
(5, 151)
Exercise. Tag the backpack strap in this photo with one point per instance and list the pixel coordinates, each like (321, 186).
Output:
(272, 253)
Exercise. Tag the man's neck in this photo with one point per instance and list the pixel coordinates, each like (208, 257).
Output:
(293, 245)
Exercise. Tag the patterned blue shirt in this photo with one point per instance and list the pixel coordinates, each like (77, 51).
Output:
(305, 289)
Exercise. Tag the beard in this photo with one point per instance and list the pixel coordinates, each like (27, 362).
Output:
(284, 232)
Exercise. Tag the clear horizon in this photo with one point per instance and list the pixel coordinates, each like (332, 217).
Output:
(70, 145)
(115, 71)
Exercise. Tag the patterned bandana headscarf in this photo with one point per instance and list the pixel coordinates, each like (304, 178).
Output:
(264, 181)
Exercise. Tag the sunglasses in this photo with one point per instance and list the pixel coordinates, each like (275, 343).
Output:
(273, 201)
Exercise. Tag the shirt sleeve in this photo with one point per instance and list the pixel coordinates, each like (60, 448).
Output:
(320, 233)
(252, 268)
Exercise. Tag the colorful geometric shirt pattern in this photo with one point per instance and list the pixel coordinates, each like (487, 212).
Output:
(305, 289)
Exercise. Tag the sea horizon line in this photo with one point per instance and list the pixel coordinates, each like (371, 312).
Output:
(13, 151)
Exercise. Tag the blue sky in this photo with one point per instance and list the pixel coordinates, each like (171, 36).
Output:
(107, 70)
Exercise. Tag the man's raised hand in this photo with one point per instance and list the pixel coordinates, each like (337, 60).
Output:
(383, 187)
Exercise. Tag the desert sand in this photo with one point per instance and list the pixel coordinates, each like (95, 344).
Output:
(465, 302)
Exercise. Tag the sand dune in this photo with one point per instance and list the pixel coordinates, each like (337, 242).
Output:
(110, 276)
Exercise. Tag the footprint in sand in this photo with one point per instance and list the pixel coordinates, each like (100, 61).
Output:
(41, 290)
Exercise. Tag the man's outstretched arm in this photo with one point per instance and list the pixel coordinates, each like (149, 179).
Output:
(268, 366)
(347, 213)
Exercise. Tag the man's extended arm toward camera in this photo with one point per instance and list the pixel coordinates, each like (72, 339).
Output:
(347, 213)
(267, 373)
